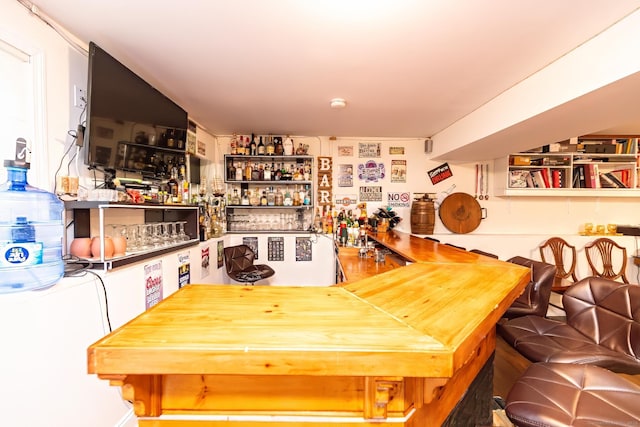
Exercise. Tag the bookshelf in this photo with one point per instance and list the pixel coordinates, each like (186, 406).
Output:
(587, 166)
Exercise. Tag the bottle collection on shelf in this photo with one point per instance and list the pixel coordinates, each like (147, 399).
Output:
(256, 170)
(300, 195)
(348, 228)
(266, 146)
(212, 211)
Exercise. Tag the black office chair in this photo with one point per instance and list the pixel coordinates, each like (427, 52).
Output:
(238, 261)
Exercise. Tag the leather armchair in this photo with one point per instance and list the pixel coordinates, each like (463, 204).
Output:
(238, 261)
(535, 298)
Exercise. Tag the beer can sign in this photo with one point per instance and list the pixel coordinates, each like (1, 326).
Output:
(399, 199)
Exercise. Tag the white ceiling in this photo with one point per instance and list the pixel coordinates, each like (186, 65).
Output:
(407, 68)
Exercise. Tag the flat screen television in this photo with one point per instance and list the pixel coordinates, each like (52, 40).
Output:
(131, 126)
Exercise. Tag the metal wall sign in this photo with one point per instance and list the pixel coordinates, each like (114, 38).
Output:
(440, 173)
(371, 171)
(371, 193)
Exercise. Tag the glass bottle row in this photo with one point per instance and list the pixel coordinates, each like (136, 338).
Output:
(299, 195)
(264, 171)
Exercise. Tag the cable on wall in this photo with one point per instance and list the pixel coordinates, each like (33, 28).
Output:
(68, 37)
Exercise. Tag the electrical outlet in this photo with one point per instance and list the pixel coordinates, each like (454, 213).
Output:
(79, 97)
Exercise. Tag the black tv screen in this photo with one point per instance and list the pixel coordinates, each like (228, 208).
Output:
(128, 119)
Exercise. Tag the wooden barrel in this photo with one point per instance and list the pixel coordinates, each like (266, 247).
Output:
(423, 217)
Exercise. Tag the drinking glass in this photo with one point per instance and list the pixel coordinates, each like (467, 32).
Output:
(133, 237)
(182, 234)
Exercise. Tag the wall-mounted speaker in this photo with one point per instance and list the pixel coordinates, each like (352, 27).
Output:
(428, 145)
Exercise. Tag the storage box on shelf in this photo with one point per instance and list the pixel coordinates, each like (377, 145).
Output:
(94, 218)
(596, 166)
(269, 194)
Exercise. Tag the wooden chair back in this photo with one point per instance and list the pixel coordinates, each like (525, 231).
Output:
(602, 254)
(560, 253)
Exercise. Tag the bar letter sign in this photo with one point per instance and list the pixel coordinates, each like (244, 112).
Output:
(325, 178)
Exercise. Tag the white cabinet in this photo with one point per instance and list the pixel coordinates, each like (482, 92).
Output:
(593, 167)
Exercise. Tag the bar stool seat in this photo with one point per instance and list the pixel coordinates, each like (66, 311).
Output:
(565, 394)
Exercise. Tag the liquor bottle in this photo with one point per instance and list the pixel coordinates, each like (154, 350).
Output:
(244, 201)
(263, 200)
(255, 173)
(234, 145)
(267, 173)
(248, 170)
(317, 221)
(186, 188)
(173, 185)
(271, 149)
(278, 174)
(279, 148)
(296, 198)
(254, 198)
(231, 171)
(328, 222)
(279, 199)
(288, 200)
(271, 197)
(240, 146)
(252, 146)
(235, 199)
(288, 146)
(307, 195)
(261, 148)
(239, 172)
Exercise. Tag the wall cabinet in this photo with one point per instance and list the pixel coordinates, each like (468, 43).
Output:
(271, 194)
(588, 166)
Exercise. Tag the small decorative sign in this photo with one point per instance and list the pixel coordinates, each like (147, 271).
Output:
(345, 175)
(398, 171)
(345, 150)
(371, 193)
(369, 149)
(204, 262)
(371, 171)
(399, 200)
(325, 185)
(303, 249)
(152, 284)
(252, 242)
(396, 150)
(184, 269)
(275, 248)
(220, 253)
(440, 173)
(346, 200)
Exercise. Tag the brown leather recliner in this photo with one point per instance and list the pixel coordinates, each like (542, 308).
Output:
(239, 264)
(602, 328)
(535, 298)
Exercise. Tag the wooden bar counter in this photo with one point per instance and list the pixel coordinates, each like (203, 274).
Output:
(399, 347)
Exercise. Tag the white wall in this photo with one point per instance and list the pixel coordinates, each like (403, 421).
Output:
(44, 337)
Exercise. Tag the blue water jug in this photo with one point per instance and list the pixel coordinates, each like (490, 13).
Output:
(31, 230)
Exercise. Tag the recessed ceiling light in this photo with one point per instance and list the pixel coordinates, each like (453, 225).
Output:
(338, 103)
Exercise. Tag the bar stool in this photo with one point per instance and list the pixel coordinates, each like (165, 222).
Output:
(566, 394)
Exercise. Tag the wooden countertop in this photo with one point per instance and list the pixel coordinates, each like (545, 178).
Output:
(355, 268)
(421, 320)
(417, 249)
